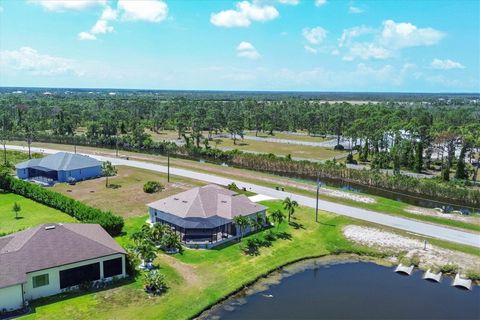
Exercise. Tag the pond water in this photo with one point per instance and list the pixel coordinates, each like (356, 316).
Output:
(350, 290)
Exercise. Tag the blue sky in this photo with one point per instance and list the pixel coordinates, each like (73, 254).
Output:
(293, 45)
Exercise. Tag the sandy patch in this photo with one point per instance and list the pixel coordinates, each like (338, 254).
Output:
(435, 213)
(432, 256)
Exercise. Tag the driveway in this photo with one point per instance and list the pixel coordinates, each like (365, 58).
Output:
(420, 228)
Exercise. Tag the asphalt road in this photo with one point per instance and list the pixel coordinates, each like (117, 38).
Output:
(420, 228)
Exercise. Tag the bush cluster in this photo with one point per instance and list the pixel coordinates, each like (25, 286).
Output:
(152, 187)
(111, 223)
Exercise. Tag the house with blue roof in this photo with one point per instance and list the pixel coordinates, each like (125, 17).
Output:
(60, 167)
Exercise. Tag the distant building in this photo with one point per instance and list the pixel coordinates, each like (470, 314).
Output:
(60, 167)
(50, 258)
(203, 216)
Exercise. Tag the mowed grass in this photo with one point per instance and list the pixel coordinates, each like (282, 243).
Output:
(282, 149)
(32, 214)
(125, 195)
(199, 278)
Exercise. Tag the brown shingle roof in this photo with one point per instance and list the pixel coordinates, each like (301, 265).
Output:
(44, 247)
(207, 201)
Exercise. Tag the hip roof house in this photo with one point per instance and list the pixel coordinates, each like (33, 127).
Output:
(203, 216)
(60, 167)
(50, 258)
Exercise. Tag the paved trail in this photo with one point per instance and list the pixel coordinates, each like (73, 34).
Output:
(421, 228)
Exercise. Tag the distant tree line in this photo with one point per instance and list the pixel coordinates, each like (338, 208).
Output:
(442, 135)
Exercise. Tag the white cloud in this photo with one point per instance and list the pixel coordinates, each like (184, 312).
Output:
(86, 36)
(351, 33)
(290, 2)
(30, 60)
(247, 50)
(109, 14)
(387, 41)
(143, 10)
(446, 64)
(310, 49)
(320, 3)
(314, 35)
(62, 5)
(354, 10)
(367, 51)
(243, 15)
(101, 27)
(404, 34)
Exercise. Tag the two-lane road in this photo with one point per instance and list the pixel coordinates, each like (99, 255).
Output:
(413, 226)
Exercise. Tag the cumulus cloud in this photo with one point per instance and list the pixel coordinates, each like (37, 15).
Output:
(387, 41)
(289, 2)
(320, 3)
(243, 15)
(143, 10)
(404, 34)
(446, 64)
(314, 35)
(108, 14)
(30, 60)
(310, 49)
(354, 10)
(63, 5)
(247, 50)
(86, 36)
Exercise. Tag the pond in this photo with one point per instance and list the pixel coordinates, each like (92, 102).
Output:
(349, 290)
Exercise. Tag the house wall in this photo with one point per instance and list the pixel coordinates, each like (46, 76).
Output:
(22, 173)
(80, 174)
(54, 277)
(11, 298)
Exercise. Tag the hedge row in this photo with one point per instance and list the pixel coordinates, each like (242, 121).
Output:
(111, 223)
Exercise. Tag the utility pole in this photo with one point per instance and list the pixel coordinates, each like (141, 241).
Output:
(168, 166)
(74, 145)
(318, 191)
(116, 144)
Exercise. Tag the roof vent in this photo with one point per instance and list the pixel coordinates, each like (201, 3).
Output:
(224, 201)
(175, 199)
(49, 227)
(184, 201)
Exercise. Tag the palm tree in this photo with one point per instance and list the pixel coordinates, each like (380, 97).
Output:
(290, 205)
(158, 231)
(278, 217)
(257, 221)
(108, 170)
(146, 252)
(242, 223)
(171, 241)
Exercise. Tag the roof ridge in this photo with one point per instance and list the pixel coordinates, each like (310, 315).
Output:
(197, 196)
(30, 232)
(65, 225)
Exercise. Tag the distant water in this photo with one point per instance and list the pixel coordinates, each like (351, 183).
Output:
(354, 291)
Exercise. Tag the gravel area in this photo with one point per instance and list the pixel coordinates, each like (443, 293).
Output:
(432, 256)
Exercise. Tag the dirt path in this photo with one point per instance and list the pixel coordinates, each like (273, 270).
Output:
(188, 272)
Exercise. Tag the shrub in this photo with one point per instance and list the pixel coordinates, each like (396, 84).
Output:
(154, 282)
(339, 147)
(449, 268)
(111, 223)
(152, 187)
(473, 275)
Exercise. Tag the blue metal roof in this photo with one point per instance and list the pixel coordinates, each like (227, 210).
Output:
(61, 161)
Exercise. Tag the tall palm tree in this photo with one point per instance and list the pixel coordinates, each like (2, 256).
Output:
(278, 217)
(257, 221)
(242, 223)
(290, 205)
(158, 231)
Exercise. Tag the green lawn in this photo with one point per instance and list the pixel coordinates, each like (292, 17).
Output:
(32, 214)
(200, 278)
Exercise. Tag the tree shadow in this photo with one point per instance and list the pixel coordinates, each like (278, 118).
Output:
(284, 235)
(114, 186)
(18, 218)
(326, 224)
(296, 225)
